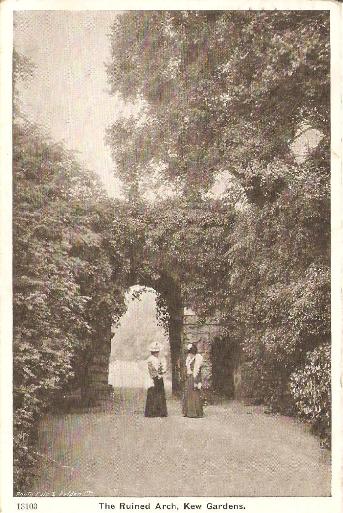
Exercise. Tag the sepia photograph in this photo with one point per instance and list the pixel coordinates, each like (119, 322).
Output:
(172, 317)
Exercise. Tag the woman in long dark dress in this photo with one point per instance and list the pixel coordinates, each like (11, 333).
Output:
(156, 405)
(192, 400)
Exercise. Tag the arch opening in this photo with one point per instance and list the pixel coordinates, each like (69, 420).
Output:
(99, 374)
(135, 331)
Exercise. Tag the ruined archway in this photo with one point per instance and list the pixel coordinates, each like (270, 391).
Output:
(183, 327)
(95, 387)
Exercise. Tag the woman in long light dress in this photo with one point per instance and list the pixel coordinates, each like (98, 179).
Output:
(156, 405)
(192, 400)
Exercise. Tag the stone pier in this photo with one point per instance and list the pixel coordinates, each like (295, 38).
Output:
(222, 360)
(96, 389)
(203, 336)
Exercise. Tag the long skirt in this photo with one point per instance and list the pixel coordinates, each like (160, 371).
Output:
(192, 400)
(156, 405)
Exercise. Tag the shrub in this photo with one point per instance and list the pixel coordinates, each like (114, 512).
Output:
(67, 270)
(310, 387)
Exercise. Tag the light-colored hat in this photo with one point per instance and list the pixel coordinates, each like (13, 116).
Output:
(192, 348)
(154, 347)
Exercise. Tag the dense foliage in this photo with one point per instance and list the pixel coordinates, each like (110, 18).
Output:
(310, 387)
(217, 90)
(68, 263)
(235, 93)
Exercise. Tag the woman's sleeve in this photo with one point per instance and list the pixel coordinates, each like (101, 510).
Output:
(152, 370)
(197, 366)
(163, 366)
(188, 367)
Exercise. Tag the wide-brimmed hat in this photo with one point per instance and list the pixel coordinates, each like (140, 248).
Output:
(154, 347)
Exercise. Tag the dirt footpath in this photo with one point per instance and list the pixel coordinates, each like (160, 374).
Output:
(235, 450)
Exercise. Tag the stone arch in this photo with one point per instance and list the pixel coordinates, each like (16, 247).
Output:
(94, 378)
(183, 327)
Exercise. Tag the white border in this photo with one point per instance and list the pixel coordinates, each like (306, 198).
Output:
(120, 5)
(6, 35)
(332, 504)
(336, 252)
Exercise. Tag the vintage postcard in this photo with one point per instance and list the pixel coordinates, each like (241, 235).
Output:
(171, 256)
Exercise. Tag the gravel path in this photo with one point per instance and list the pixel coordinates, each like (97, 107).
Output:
(235, 450)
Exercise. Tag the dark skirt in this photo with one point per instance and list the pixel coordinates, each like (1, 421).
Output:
(156, 405)
(192, 400)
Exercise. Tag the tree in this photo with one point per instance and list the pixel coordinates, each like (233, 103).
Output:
(233, 91)
(68, 280)
(217, 90)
